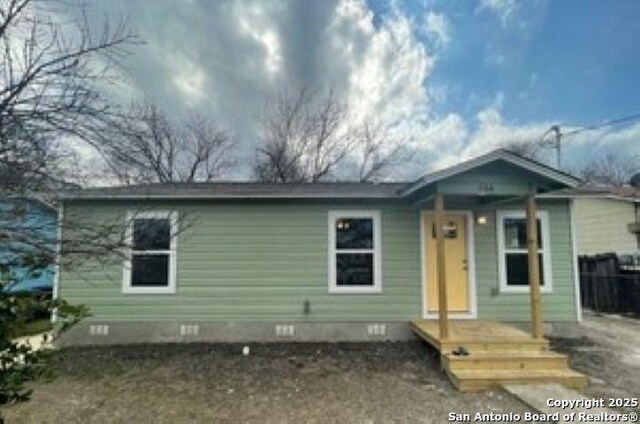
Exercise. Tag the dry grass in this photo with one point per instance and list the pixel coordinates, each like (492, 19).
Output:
(276, 383)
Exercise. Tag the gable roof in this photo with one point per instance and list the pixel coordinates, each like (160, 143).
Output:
(241, 190)
(496, 155)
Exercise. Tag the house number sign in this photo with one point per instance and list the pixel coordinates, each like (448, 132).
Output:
(485, 187)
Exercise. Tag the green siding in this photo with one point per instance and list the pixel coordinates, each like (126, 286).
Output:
(260, 261)
(558, 305)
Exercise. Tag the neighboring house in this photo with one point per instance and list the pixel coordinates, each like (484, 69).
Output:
(28, 227)
(607, 219)
(327, 261)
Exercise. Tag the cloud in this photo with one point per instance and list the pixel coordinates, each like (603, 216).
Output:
(228, 57)
(505, 10)
(438, 25)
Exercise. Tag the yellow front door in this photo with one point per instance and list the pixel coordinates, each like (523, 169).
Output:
(457, 274)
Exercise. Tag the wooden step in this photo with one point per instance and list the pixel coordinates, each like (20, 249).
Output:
(474, 380)
(523, 360)
(496, 345)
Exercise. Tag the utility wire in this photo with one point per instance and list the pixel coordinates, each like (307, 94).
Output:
(557, 142)
(604, 124)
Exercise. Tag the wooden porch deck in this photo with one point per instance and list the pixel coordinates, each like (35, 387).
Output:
(496, 354)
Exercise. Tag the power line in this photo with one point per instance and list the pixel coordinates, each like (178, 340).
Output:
(557, 142)
(604, 124)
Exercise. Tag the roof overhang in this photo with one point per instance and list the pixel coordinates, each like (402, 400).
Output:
(577, 195)
(152, 196)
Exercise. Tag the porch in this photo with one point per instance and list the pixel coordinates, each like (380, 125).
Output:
(500, 193)
(479, 355)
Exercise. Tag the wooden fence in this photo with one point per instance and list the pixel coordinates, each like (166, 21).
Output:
(605, 287)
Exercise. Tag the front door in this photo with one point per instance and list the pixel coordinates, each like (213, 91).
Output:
(456, 260)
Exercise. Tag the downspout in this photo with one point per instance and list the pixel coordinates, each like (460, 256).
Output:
(637, 208)
(56, 276)
(574, 254)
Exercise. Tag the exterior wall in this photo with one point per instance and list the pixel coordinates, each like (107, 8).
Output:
(244, 268)
(41, 223)
(601, 226)
(558, 305)
(254, 262)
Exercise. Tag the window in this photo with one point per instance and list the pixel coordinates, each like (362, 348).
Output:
(354, 252)
(512, 247)
(151, 261)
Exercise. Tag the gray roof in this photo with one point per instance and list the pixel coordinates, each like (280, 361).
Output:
(239, 190)
(335, 190)
(626, 193)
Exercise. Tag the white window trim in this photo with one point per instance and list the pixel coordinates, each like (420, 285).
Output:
(377, 252)
(543, 216)
(127, 269)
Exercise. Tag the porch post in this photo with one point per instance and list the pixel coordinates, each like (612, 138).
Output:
(442, 282)
(534, 269)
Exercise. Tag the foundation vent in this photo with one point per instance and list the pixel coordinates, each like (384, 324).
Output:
(285, 330)
(99, 330)
(189, 329)
(376, 329)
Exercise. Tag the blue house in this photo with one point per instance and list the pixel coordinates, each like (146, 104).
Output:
(28, 231)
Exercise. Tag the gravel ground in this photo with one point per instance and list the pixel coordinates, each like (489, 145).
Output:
(609, 352)
(276, 383)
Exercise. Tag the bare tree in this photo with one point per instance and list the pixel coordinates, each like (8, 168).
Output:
(50, 66)
(527, 149)
(377, 152)
(611, 169)
(301, 138)
(307, 137)
(147, 146)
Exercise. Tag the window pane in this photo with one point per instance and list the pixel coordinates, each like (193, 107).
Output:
(150, 271)
(354, 269)
(518, 269)
(354, 233)
(151, 234)
(515, 233)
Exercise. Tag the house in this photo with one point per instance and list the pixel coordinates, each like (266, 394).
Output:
(607, 220)
(327, 261)
(340, 262)
(28, 229)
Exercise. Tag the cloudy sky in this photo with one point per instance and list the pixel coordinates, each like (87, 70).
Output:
(454, 78)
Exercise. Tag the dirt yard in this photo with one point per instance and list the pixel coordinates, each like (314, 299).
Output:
(609, 352)
(276, 383)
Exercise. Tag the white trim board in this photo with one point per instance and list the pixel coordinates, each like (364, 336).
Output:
(471, 263)
(547, 267)
(375, 215)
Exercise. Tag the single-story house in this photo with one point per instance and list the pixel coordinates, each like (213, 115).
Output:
(322, 261)
(28, 228)
(607, 219)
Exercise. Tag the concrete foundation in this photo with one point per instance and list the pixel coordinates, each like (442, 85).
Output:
(104, 333)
